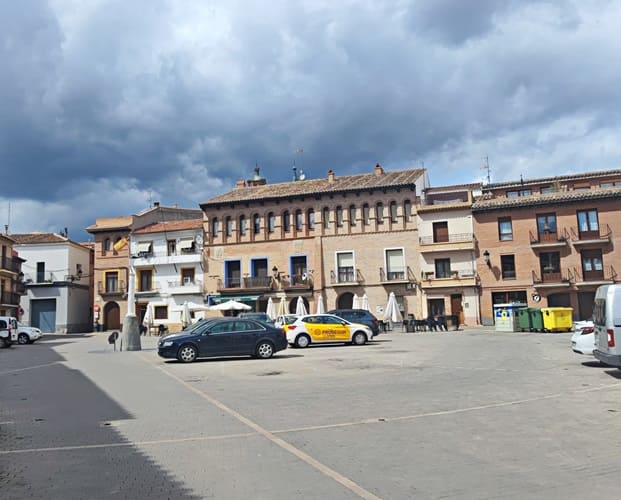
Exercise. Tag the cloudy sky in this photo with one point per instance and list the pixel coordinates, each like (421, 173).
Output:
(105, 101)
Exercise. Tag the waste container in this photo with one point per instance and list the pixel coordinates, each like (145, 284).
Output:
(524, 320)
(506, 317)
(557, 319)
(536, 319)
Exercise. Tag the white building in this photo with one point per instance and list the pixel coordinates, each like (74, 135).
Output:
(167, 262)
(57, 277)
(447, 249)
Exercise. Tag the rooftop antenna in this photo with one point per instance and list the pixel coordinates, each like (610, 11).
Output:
(8, 220)
(487, 170)
(300, 152)
(150, 198)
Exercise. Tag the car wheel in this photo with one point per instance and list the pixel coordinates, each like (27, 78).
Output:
(23, 339)
(302, 341)
(359, 338)
(187, 353)
(265, 350)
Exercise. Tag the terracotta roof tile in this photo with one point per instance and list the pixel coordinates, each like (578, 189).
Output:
(345, 183)
(482, 205)
(171, 225)
(456, 187)
(543, 180)
(38, 238)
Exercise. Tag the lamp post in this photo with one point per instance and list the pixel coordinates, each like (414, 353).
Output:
(130, 336)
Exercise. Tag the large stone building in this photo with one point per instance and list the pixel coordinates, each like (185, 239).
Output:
(548, 241)
(334, 237)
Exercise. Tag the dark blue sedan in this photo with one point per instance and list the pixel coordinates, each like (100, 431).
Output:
(223, 337)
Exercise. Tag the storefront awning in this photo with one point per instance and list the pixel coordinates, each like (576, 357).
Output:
(212, 300)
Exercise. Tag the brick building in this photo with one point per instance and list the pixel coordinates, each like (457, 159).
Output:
(11, 277)
(334, 237)
(548, 241)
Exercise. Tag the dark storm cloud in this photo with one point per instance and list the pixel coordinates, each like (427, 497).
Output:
(107, 101)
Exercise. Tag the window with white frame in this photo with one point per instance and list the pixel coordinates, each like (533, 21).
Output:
(395, 264)
(345, 267)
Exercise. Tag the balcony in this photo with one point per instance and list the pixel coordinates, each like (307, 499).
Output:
(44, 278)
(346, 276)
(9, 298)
(112, 288)
(603, 276)
(260, 283)
(10, 264)
(455, 242)
(186, 286)
(453, 279)
(548, 239)
(148, 292)
(297, 282)
(552, 278)
(396, 277)
(597, 237)
(249, 283)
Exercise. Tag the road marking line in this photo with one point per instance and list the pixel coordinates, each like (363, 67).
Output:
(128, 443)
(380, 420)
(30, 368)
(305, 457)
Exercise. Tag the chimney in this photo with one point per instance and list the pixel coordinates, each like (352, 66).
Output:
(241, 183)
(330, 176)
(379, 170)
(156, 204)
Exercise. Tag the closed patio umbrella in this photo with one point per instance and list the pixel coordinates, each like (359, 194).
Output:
(364, 303)
(300, 308)
(391, 311)
(355, 303)
(271, 309)
(282, 307)
(320, 307)
(231, 305)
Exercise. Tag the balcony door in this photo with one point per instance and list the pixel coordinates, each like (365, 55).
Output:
(440, 232)
(546, 227)
(592, 267)
(550, 263)
(260, 276)
(345, 267)
(588, 224)
(232, 274)
(299, 270)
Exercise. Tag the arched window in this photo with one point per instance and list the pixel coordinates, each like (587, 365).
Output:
(339, 216)
(229, 226)
(242, 225)
(107, 245)
(393, 211)
(271, 222)
(326, 218)
(365, 214)
(352, 215)
(215, 227)
(298, 220)
(310, 219)
(256, 224)
(379, 213)
(286, 221)
(407, 210)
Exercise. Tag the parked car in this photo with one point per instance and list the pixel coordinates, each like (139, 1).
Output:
(285, 319)
(223, 337)
(326, 328)
(358, 316)
(27, 334)
(8, 330)
(583, 340)
(256, 315)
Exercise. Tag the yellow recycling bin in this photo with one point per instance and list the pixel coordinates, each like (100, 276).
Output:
(557, 319)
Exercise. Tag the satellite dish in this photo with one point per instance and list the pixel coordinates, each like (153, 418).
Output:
(302, 175)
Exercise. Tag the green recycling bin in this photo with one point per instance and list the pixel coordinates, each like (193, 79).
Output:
(524, 320)
(536, 319)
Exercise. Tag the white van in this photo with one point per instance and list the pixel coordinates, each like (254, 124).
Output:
(607, 322)
(8, 330)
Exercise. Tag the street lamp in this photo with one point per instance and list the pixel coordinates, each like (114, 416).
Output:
(486, 258)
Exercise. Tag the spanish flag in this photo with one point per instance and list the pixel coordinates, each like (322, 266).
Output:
(121, 244)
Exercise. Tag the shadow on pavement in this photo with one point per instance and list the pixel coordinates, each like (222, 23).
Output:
(54, 441)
